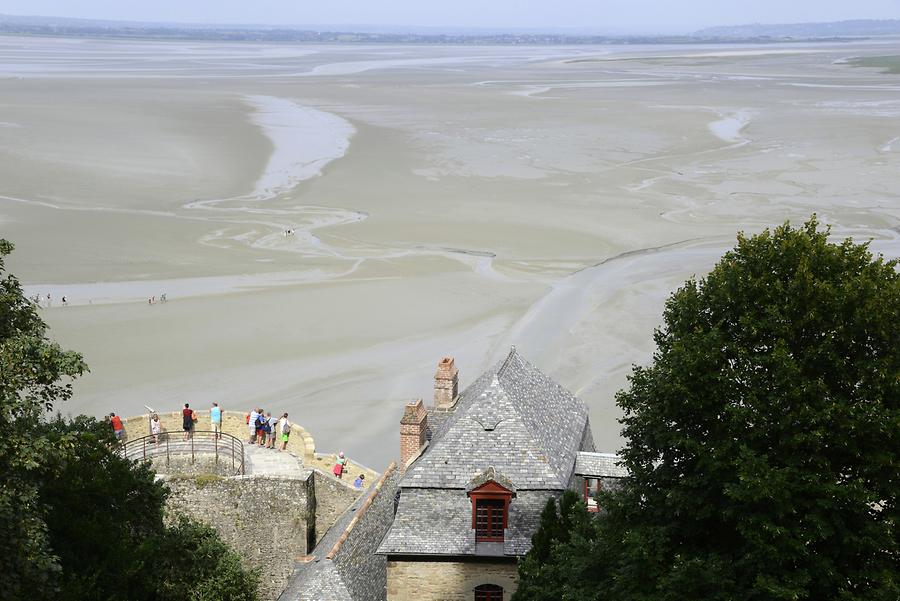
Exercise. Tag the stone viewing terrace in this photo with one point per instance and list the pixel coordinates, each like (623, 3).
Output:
(272, 507)
(301, 447)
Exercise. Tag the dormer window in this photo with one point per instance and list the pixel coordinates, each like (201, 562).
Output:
(490, 519)
(592, 487)
(490, 494)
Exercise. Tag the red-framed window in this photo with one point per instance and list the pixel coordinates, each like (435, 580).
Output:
(490, 519)
(488, 592)
(592, 486)
(490, 511)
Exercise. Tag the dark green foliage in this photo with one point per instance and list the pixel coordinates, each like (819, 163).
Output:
(191, 562)
(764, 440)
(100, 509)
(77, 521)
(34, 374)
(564, 531)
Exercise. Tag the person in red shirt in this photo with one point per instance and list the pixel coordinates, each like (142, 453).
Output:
(117, 426)
(187, 420)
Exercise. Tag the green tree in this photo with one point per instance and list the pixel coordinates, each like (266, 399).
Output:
(564, 532)
(101, 511)
(191, 562)
(78, 520)
(35, 374)
(105, 521)
(763, 442)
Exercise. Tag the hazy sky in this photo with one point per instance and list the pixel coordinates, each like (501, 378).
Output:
(599, 15)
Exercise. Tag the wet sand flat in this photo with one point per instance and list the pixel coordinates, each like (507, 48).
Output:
(442, 200)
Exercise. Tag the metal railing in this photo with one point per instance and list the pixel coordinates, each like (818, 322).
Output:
(201, 443)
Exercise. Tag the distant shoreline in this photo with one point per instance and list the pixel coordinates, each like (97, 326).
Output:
(361, 39)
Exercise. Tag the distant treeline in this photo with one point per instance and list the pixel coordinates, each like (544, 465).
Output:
(755, 34)
(861, 27)
(337, 37)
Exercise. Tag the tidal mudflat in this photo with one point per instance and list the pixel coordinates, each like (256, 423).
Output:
(443, 200)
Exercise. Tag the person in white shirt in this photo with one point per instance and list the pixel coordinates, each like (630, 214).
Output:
(251, 425)
(284, 430)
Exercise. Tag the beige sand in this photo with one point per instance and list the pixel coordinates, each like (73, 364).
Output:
(466, 199)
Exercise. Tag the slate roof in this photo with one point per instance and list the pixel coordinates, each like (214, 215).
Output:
(512, 417)
(319, 579)
(432, 521)
(514, 424)
(599, 465)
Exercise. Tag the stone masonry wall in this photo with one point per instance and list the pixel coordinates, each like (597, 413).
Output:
(363, 572)
(333, 497)
(269, 521)
(447, 580)
(300, 442)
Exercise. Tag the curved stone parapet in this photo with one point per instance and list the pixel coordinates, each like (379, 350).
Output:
(300, 442)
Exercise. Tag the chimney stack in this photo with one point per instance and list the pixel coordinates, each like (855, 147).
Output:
(446, 385)
(413, 425)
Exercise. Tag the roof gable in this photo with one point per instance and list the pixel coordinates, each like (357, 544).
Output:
(491, 481)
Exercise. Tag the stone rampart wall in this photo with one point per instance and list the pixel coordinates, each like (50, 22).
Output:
(300, 442)
(269, 521)
(183, 465)
(333, 497)
(363, 572)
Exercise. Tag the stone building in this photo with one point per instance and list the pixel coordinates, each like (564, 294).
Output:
(477, 469)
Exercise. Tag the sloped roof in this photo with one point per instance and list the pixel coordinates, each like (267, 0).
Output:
(513, 417)
(439, 522)
(599, 465)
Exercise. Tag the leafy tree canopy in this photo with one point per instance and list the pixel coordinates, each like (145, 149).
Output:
(764, 440)
(34, 375)
(77, 520)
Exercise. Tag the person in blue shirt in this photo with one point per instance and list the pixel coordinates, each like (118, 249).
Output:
(215, 416)
(359, 481)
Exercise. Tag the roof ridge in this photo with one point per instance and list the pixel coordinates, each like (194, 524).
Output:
(512, 353)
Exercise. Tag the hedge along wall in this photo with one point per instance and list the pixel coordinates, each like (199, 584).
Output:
(300, 442)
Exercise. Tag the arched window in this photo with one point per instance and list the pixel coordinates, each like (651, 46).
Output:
(488, 592)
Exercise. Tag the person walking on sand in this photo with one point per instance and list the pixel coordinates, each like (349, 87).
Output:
(117, 426)
(338, 469)
(215, 419)
(360, 480)
(187, 421)
(284, 428)
(272, 423)
(155, 428)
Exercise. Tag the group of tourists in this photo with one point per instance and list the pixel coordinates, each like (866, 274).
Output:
(340, 466)
(49, 300)
(266, 430)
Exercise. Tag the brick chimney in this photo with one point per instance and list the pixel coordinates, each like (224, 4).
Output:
(413, 425)
(446, 385)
